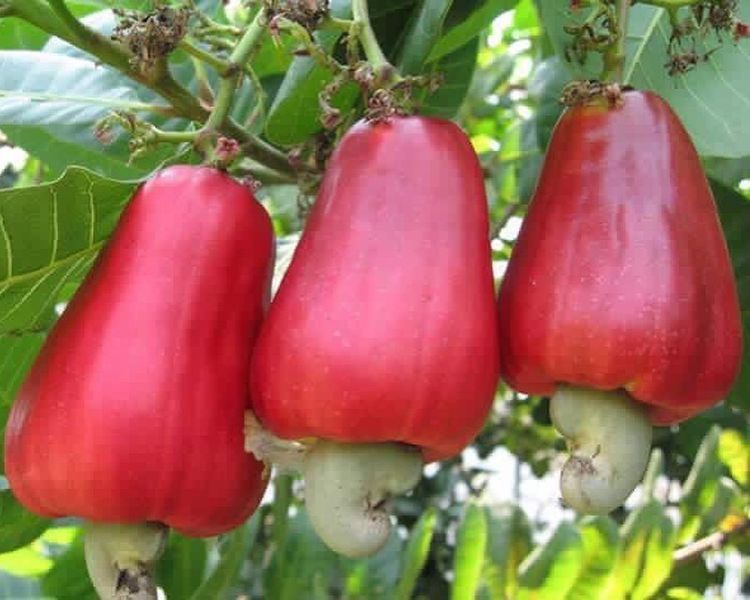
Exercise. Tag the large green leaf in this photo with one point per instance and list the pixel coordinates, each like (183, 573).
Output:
(601, 546)
(49, 236)
(235, 548)
(508, 543)
(551, 570)
(654, 471)
(50, 104)
(545, 87)
(728, 501)
(371, 579)
(457, 69)
(269, 60)
(699, 492)
(711, 100)
(416, 553)
(648, 539)
(734, 452)
(734, 211)
(18, 526)
(68, 578)
(728, 171)
(181, 568)
(297, 566)
(424, 30)
(295, 112)
(468, 560)
(688, 578)
(17, 34)
(471, 18)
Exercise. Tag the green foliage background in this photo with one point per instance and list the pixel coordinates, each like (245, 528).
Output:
(455, 540)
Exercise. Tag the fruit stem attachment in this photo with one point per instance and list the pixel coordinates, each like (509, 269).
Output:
(347, 491)
(609, 439)
(347, 486)
(120, 558)
(614, 56)
(367, 38)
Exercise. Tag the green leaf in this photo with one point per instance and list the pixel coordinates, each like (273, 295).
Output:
(654, 470)
(50, 103)
(648, 539)
(681, 593)
(468, 559)
(657, 560)
(728, 171)
(478, 19)
(294, 114)
(415, 556)
(18, 526)
(49, 236)
(728, 500)
(545, 88)
(693, 575)
(734, 212)
(181, 568)
(457, 69)
(68, 578)
(273, 57)
(18, 34)
(26, 561)
(551, 570)
(709, 99)
(234, 551)
(299, 563)
(371, 579)
(508, 543)
(699, 491)
(423, 32)
(282, 499)
(734, 452)
(601, 547)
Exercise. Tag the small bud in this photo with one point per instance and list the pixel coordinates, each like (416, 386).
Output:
(227, 149)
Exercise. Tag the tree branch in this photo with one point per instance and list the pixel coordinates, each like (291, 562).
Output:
(56, 22)
(714, 541)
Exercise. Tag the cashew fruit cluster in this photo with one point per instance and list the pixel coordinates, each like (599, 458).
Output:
(619, 300)
(383, 346)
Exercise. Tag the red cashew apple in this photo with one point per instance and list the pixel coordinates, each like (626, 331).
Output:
(132, 413)
(381, 343)
(619, 299)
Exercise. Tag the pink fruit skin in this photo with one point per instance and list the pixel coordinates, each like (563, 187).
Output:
(620, 277)
(384, 328)
(133, 410)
